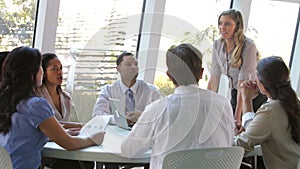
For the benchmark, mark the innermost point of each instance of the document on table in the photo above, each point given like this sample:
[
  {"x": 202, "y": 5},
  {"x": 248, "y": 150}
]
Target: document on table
[{"x": 95, "y": 125}]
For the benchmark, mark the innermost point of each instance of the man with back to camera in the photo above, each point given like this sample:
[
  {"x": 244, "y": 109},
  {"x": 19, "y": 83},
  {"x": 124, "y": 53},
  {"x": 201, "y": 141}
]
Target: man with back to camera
[
  {"x": 141, "y": 92},
  {"x": 190, "y": 118}
]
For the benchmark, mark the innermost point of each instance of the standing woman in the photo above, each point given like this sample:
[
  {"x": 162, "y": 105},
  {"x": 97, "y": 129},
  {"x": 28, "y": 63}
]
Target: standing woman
[
  {"x": 276, "y": 125},
  {"x": 27, "y": 122},
  {"x": 235, "y": 56}
]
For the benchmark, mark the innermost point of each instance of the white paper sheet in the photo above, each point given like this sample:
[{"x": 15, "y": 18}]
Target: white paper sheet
[{"x": 95, "y": 125}]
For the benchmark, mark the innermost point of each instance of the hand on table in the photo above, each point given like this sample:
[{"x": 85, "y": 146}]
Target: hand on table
[
  {"x": 98, "y": 137},
  {"x": 132, "y": 117}
]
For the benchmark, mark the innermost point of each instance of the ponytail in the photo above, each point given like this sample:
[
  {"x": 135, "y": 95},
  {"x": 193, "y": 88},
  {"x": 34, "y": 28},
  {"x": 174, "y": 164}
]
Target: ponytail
[
  {"x": 289, "y": 101},
  {"x": 279, "y": 87}
]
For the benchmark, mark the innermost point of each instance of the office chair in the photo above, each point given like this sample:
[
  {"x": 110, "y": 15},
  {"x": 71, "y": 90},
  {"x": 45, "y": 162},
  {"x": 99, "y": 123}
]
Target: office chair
[
  {"x": 5, "y": 161},
  {"x": 208, "y": 158}
]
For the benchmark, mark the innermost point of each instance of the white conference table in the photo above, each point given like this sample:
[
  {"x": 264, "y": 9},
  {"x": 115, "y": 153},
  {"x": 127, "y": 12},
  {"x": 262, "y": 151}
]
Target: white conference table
[{"x": 109, "y": 151}]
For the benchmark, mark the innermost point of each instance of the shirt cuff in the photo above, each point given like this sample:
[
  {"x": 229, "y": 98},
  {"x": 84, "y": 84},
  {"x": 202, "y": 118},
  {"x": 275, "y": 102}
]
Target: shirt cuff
[
  {"x": 112, "y": 120},
  {"x": 247, "y": 118}
]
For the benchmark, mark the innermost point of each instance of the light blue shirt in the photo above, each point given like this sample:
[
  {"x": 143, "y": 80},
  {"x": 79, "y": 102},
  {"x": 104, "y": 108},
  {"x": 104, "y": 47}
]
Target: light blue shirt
[{"x": 24, "y": 141}]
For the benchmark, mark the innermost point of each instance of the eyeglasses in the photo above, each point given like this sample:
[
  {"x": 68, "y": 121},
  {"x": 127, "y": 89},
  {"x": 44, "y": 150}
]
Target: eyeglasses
[{"x": 55, "y": 69}]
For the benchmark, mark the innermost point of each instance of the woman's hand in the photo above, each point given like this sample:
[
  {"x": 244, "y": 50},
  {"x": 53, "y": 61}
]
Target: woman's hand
[
  {"x": 67, "y": 124},
  {"x": 73, "y": 131},
  {"x": 238, "y": 131},
  {"x": 238, "y": 125},
  {"x": 249, "y": 89},
  {"x": 97, "y": 138}
]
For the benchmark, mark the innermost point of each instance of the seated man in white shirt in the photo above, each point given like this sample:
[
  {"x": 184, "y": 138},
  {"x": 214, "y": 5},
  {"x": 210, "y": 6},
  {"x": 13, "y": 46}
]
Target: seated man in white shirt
[
  {"x": 143, "y": 93},
  {"x": 191, "y": 118}
]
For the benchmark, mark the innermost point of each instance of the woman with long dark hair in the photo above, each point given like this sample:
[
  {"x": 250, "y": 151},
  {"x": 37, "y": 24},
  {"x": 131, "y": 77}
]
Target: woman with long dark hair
[
  {"x": 51, "y": 90},
  {"x": 2, "y": 57},
  {"x": 27, "y": 121},
  {"x": 62, "y": 105},
  {"x": 276, "y": 124}
]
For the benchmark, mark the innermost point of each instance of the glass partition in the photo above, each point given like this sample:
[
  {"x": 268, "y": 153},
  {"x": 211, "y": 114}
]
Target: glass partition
[
  {"x": 192, "y": 22},
  {"x": 272, "y": 26},
  {"x": 90, "y": 35}
]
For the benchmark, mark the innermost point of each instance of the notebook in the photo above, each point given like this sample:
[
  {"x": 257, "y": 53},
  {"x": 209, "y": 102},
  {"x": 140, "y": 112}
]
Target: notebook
[{"x": 119, "y": 115}]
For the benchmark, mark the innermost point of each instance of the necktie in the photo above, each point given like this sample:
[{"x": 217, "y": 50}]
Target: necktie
[{"x": 130, "y": 103}]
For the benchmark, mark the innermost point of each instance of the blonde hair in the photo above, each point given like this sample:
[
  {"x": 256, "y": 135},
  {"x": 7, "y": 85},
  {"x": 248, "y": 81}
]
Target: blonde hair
[{"x": 238, "y": 38}]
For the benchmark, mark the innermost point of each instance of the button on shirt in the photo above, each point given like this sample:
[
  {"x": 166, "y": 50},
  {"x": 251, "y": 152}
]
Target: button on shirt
[
  {"x": 188, "y": 119},
  {"x": 144, "y": 94}
]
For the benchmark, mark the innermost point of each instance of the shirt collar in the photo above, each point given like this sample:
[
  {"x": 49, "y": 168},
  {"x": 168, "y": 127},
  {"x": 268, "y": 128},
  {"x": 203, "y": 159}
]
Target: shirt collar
[
  {"x": 133, "y": 87},
  {"x": 192, "y": 88},
  {"x": 223, "y": 46}
]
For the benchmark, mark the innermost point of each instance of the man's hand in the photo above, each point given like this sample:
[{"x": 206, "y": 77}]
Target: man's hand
[{"x": 132, "y": 117}]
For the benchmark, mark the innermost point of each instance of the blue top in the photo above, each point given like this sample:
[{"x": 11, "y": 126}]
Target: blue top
[{"x": 24, "y": 141}]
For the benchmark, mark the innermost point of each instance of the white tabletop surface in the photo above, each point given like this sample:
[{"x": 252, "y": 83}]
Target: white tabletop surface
[{"x": 109, "y": 151}]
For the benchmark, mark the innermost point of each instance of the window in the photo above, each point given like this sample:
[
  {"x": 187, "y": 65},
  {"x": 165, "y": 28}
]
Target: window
[
  {"x": 272, "y": 26},
  {"x": 89, "y": 37},
  {"x": 189, "y": 21},
  {"x": 17, "y": 18}
]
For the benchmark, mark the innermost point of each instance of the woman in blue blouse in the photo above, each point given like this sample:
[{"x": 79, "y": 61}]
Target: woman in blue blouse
[{"x": 27, "y": 122}]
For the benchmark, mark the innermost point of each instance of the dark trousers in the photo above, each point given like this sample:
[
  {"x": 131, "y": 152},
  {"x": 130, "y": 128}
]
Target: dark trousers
[
  {"x": 67, "y": 164},
  {"x": 250, "y": 160},
  {"x": 121, "y": 165}
]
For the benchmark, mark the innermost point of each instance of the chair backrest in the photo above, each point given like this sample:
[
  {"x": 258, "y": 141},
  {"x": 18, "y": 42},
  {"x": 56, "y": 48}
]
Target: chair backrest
[
  {"x": 208, "y": 158},
  {"x": 5, "y": 161}
]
